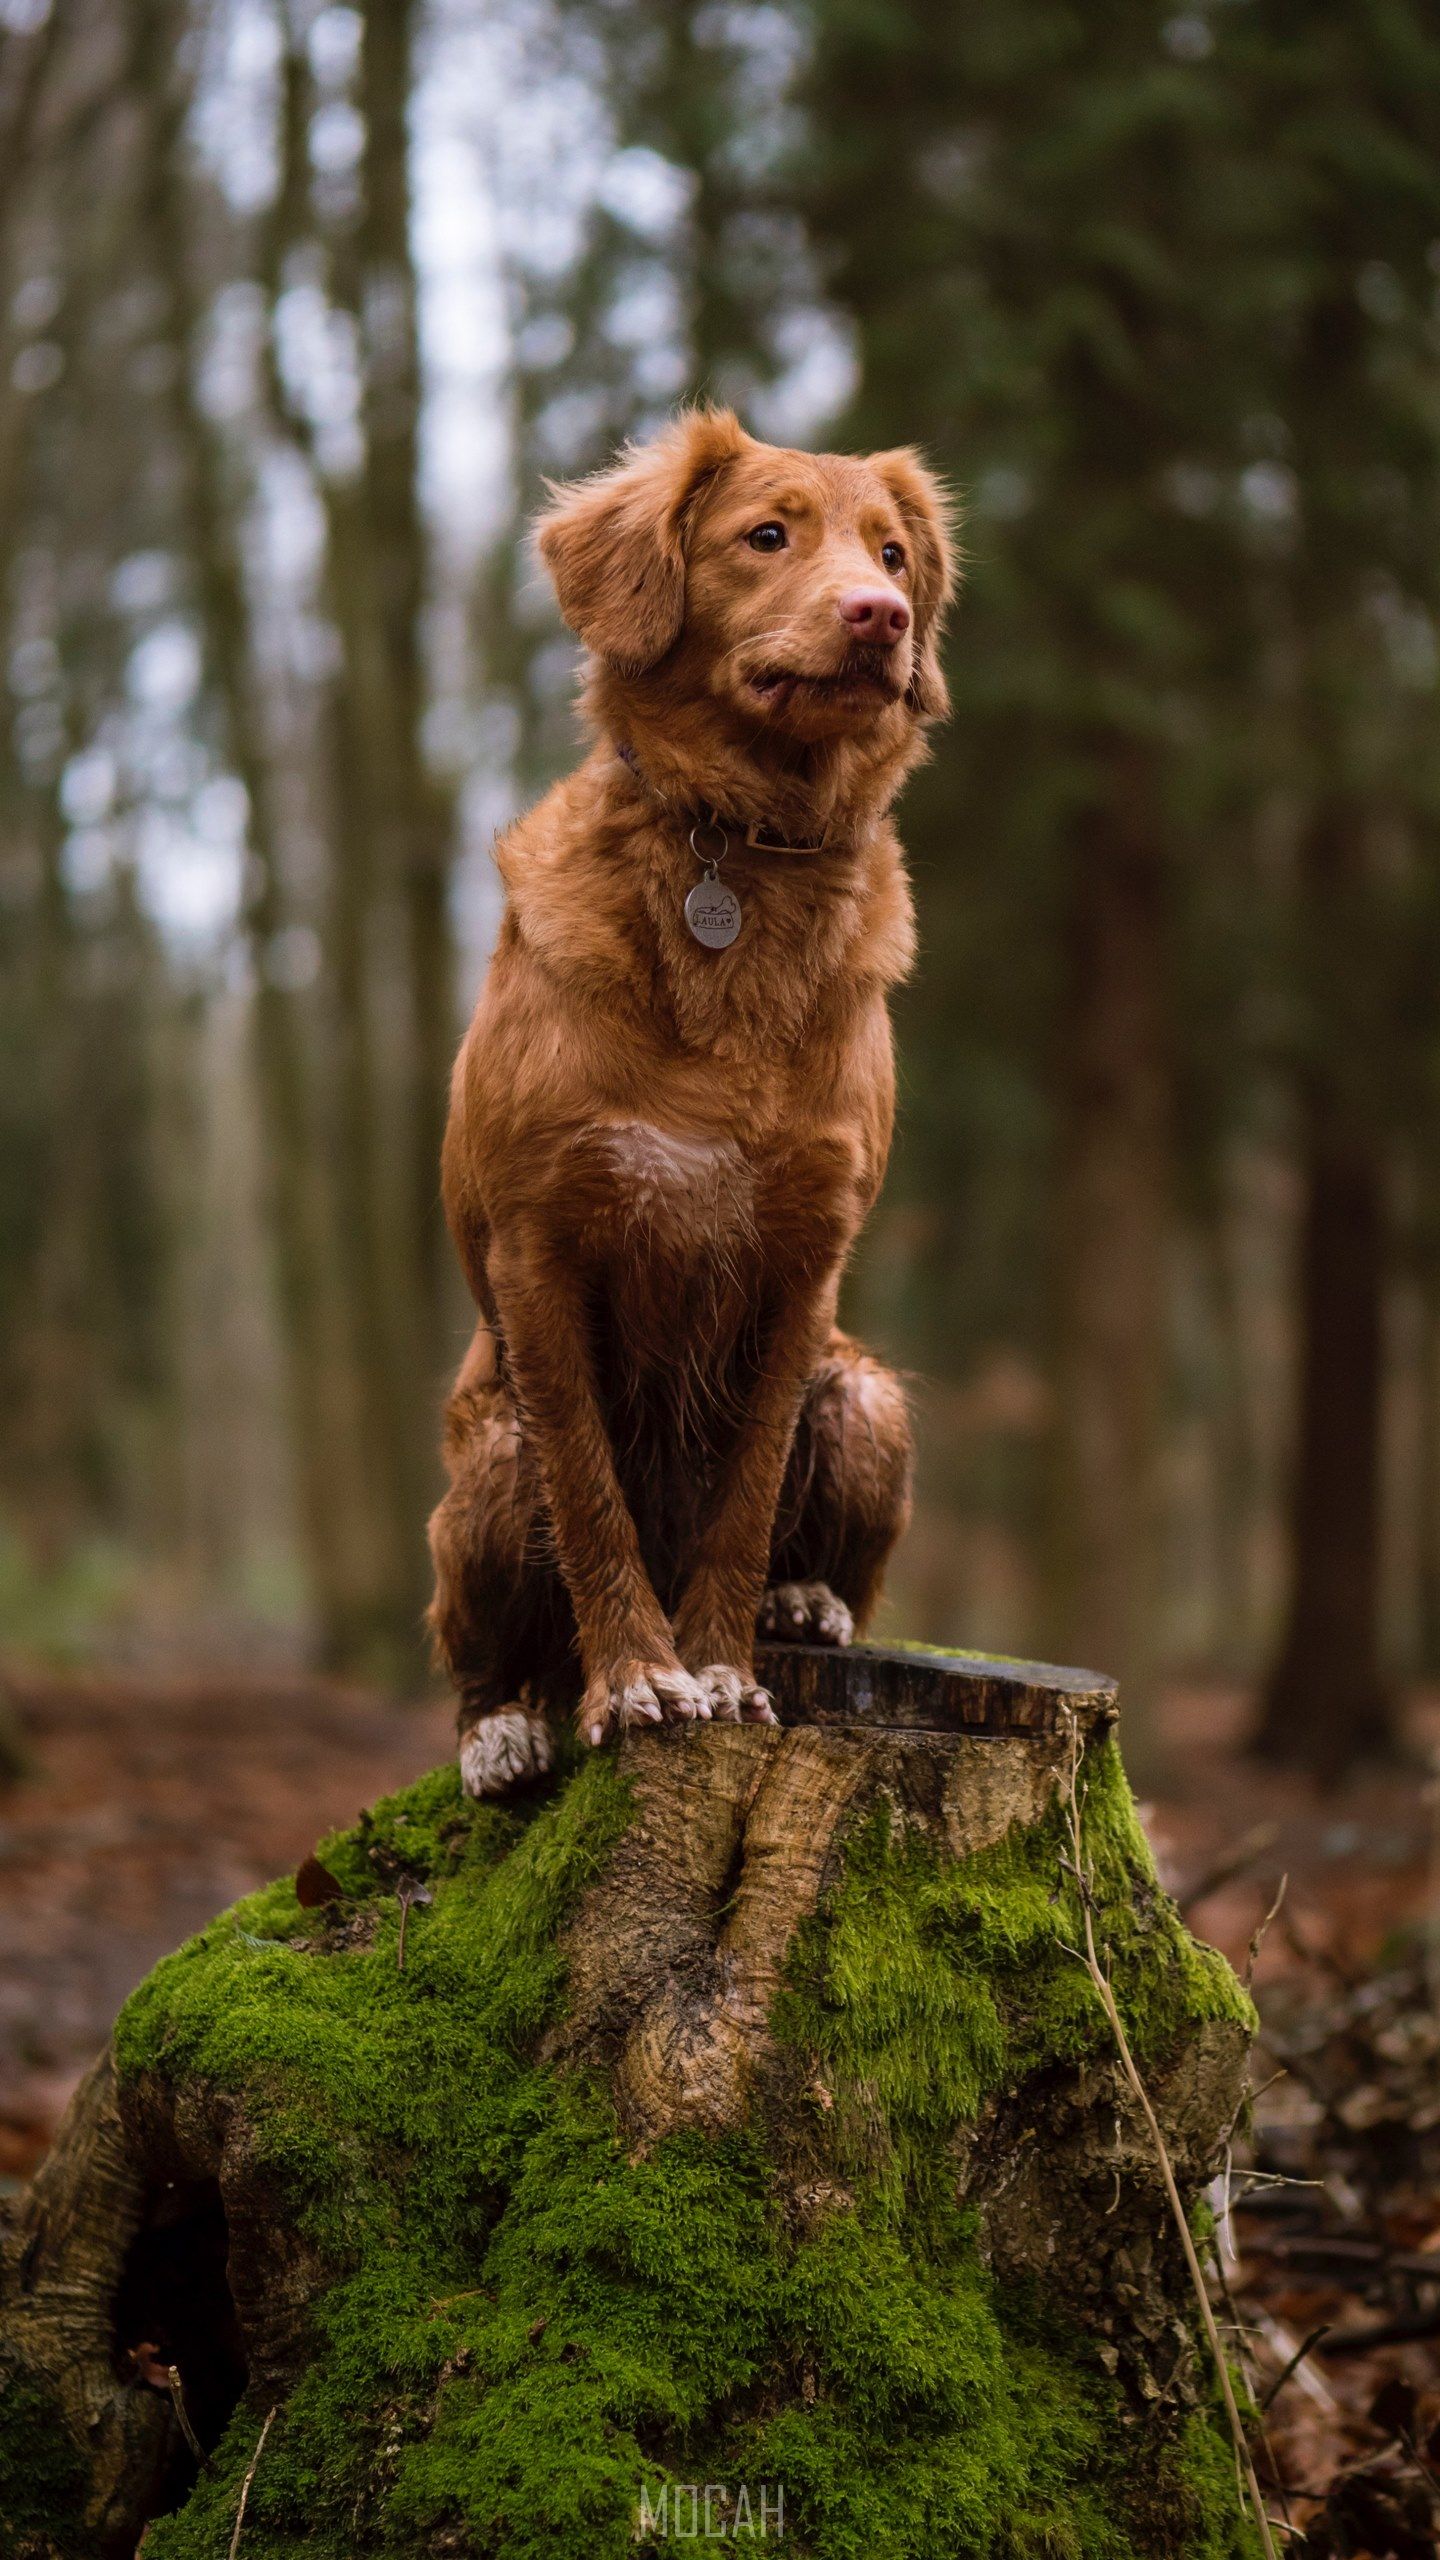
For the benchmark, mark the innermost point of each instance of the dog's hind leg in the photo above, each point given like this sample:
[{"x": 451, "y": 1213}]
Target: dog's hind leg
[
  {"x": 500, "y": 1619},
  {"x": 845, "y": 1501}
]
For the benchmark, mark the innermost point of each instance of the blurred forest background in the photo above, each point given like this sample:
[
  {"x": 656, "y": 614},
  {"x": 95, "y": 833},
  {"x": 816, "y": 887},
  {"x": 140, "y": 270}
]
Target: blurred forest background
[{"x": 298, "y": 305}]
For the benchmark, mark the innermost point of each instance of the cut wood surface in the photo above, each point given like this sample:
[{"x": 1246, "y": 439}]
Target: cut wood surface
[{"x": 919, "y": 1686}]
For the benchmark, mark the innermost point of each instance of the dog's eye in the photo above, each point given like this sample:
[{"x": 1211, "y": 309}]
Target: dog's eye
[
  {"x": 768, "y": 537},
  {"x": 893, "y": 556}
]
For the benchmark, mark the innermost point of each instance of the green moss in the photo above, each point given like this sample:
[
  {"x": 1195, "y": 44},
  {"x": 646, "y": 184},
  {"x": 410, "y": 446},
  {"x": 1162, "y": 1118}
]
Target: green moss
[
  {"x": 928, "y": 1983},
  {"x": 529, "y": 2331},
  {"x": 42, "y": 2471}
]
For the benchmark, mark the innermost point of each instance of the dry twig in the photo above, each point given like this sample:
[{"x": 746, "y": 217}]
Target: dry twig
[
  {"x": 176, "y": 2389},
  {"x": 1292, "y": 2366},
  {"x": 245, "y": 2485},
  {"x": 1244, "y": 2463},
  {"x": 1261, "y": 1931},
  {"x": 409, "y": 1892}
]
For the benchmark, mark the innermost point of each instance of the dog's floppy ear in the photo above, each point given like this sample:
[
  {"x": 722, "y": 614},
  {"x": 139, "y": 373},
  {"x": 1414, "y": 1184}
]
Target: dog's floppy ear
[
  {"x": 929, "y": 513},
  {"x": 615, "y": 544}
]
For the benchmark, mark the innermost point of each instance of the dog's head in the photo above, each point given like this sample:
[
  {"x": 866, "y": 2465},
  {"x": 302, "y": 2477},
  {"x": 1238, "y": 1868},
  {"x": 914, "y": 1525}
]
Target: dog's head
[{"x": 802, "y": 593}]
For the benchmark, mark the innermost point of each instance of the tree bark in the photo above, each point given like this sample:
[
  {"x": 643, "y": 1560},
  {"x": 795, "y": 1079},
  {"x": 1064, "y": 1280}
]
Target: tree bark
[
  {"x": 1427, "y": 1490},
  {"x": 705, "y": 2050},
  {"x": 386, "y": 1319},
  {"x": 300, "y": 1228},
  {"x": 416, "y": 815},
  {"x": 1110, "y": 1247},
  {"x": 1327, "y": 1702},
  {"x": 389, "y": 831}
]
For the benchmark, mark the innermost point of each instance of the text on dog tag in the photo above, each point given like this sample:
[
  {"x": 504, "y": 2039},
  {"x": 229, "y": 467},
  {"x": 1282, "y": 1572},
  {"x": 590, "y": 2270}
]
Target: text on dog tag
[{"x": 713, "y": 914}]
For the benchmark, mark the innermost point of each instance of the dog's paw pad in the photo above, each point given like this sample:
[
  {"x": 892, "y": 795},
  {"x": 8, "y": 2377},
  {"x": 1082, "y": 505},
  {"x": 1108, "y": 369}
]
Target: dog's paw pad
[
  {"x": 507, "y": 1749},
  {"x": 805, "y": 1613}
]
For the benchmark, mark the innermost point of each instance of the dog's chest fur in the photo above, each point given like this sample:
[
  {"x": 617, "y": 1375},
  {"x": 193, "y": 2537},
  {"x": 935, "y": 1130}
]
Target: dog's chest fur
[
  {"x": 657, "y": 1195},
  {"x": 804, "y": 928},
  {"x": 692, "y": 1227},
  {"x": 698, "y": 1132}
]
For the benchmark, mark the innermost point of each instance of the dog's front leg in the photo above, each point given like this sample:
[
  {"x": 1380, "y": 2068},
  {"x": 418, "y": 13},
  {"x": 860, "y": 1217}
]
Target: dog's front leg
[
  {"x": 632, "y": 1672},
  {"x": 715, "y": 1621}
]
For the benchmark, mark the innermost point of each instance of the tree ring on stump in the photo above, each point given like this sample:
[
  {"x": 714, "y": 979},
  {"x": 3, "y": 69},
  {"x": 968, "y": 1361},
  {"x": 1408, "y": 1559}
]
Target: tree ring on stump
[{"x": 919, "y": 1688}]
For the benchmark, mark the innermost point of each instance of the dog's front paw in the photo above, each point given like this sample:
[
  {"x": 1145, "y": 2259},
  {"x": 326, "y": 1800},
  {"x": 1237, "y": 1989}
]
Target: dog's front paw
[
  {"x": 804, "y": 1613},
  {"x": 505, "y": 1750},
  {"x": 639, "y": 1693},
  {"x": 735, "y": 1696}
]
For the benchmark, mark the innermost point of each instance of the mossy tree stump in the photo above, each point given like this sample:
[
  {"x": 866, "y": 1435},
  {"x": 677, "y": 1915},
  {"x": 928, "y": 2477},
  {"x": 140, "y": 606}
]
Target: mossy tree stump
[{"x": 723, "y": 2142}]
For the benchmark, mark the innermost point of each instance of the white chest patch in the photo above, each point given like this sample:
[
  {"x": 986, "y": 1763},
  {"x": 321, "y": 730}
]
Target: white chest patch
[{"x": 692, "y": 1191}]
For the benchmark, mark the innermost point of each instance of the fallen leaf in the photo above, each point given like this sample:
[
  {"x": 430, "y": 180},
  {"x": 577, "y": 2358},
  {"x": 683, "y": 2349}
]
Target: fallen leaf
[
  {"x": 1394, "y": 2408},
  {"x": 315, "y": 1884}
]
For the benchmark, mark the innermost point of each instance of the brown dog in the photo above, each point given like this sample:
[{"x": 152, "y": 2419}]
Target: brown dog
[{"x": 665, "y": 1131}]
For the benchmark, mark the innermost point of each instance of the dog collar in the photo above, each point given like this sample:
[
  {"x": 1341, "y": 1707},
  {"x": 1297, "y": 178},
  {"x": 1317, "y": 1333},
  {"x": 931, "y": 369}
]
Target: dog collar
[{"x": 711, "y": 824}]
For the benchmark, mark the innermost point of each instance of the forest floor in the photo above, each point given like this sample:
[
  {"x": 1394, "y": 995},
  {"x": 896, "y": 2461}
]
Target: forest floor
[{"x": 153, "y": 1803}]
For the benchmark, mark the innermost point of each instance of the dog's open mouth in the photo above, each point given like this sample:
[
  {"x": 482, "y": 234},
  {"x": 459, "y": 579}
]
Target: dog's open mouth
[{"x": 863, "y": 672}]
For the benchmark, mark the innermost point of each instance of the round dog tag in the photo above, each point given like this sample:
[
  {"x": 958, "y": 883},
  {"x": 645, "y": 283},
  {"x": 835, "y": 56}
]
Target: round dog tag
[{"x": 713, "y": 914}]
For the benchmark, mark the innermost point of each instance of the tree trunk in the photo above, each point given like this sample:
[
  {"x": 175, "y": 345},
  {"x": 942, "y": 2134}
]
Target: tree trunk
[
  {"x": 386, "y": 1328},
  {"x": 731, "y": 2122},
  {"x": 1110, "y": 1244},
  {"x": 387, "y": 925},
  {"x": 1235, "y": 1441},
  {"x": 1327, "y": 1702},
  {"x": 416, "y": 815},
  {"x": 1427, "y": 1492},
  {"x": 301, "y": 1230}
]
